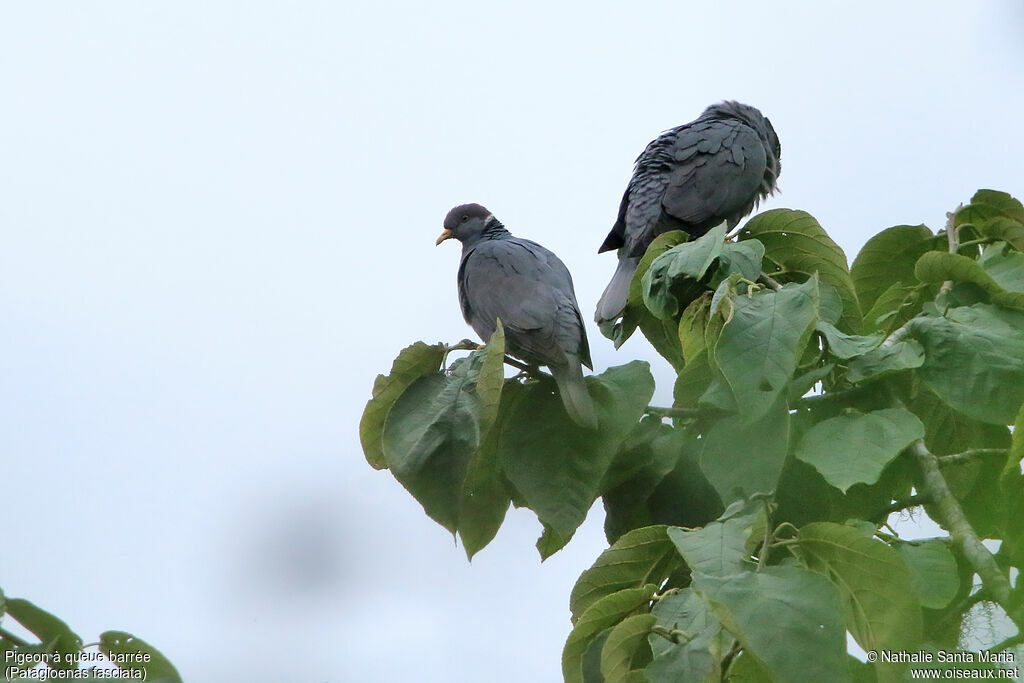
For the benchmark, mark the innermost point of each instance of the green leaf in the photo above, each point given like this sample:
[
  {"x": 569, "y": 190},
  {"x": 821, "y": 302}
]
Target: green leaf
[
  {"x": 902, "y": 355},
  {"x": 933, "y": 570},
  {"x": 896, "y": 305},
  {"x": 1012, "y": 470},
  {"x": 660, "y": 333},
  {"x": 1003, "y": 203},
  {"x": 741, "y": 458},
  {"x": 974, "y": 360},
  {"x": 638, "y": 558},
  {"x": 842, "y": 345},
  {"x": 430, "y": 436},
  {"x": 621, "y": 649},
  {"x": 697, "y": 654},
  {"x": 558, "y": 467},
  {"x": 688, "y": 260},
  {"x": 887, "y": 259},
  {"x": 745, "y": 668},
  {"x": 125, "y": 650},
  {"x": 412, "y": 363},
  {"x": 795, "y": 241},
  {"x": 879, "y": 600},
  {"x": 720, "y": 548},
  {"x": 484, "y": 498},
  {"x": 789, "y": 618},
  {"x": 939, "y": 266},
  {"x": 855, "y": 448},
  {"x": 739, "y": 258},
  {"x": 1004, "y": 265},
  {"x": 759, "y": 347},
  {"x": 55, "y": 636},
  {"x": 1006, "y": 229},
  {"x": 601, "y": 615}
]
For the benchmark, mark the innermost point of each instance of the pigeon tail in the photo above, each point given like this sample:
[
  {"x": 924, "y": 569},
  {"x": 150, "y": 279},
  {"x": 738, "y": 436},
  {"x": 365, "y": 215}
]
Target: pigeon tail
[
  {"x": 573, "y": 391},
  {"x": 613, "y": 301}
]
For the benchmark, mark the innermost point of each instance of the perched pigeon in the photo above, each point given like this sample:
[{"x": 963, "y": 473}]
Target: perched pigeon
[
  {"x": 530, "y": 290},
  {"x": 692, "y": 178}
]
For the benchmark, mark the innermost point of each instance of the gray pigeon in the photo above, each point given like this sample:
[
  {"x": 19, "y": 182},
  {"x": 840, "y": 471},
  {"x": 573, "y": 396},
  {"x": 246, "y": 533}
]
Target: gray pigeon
[
  {"x": 530, "y": 290},
  {"x": 692, "y": 177}
]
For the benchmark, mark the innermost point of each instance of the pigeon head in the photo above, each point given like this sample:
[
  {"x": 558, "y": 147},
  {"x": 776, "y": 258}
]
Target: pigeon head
[
  {"x": 468, "y": 223},
  {"x": 753, "y": 117}
]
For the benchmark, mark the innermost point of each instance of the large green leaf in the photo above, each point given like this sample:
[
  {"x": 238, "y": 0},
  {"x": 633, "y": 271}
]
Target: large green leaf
[
  {"x": 412, "y": 362},
  {"x": 695, "y": 653},
  {"x": 124, "y": 650},
  {"x": 974, "y": 360},
  {"x": 789, "y": 618},
  {"x": 601, "y": 615},
  {"x": 688, "y": 260},
  {"x": 485, "y": 499},
  {"x": 888, "y": 258},
  {"x": 933, "y": 570},
  {"x": 430, "y": 436},
  {"x": 739, "y": 258},
  {"x": 795, "y": 241},
  {"x": 720, "y": 548},
  {"x": 879, "y": 599},
  {"x": 854, "y": 448},
  {"x": 759, "y": 347},
  {"x": 626, "y": 643},
  {"x": 638, "y": 558},
  {"x": 557, "y": 467},
  {"x": 741, "y": 458}
]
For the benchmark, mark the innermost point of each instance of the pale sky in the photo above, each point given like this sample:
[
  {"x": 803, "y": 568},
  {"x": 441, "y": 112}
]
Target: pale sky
[{"x": 217, "y": 225}]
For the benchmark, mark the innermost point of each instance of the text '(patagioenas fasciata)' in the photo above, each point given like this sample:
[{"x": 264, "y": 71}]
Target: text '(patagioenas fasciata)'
[
  {"x": 692, "y": 177},
  {"x": 530, "y": 290}
]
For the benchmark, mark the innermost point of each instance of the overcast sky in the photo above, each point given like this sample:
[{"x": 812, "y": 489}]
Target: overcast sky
[{"x": 217, "y": 225}]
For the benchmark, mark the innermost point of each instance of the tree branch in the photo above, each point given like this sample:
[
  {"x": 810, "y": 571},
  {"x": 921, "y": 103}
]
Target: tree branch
[
  {"x": 769, "y": 280},
  {"x": 951, "y": 517},
  {"x": 906, "y": 504}
]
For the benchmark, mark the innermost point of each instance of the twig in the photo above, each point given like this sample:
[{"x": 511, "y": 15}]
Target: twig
[
  {"x": 906, "y": 504},
  {"x": 673, "y": 412},
  {"x": 509, "y": 360},
  {"x": 970, "y": 455},
  {"x": 833, "y": 396},
  {"x": 953, "y": 246},
  {"x": 769, "y": 280}
]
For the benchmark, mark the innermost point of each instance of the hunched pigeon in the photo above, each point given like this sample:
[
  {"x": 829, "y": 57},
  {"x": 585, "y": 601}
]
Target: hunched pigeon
[
  {"x": 530, "y": 290},
  {"x": 692, "y": 177}
]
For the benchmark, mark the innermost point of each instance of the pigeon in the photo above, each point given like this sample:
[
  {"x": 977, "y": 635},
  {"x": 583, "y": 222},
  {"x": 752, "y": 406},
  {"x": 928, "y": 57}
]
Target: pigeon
[
  {"x": 692, "y": 177},
  {"x": 530, "y": 290}
]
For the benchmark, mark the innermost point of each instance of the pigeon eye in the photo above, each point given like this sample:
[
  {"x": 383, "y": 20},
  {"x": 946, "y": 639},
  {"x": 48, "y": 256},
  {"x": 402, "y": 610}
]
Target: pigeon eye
[{"x": 465, "y": 218}]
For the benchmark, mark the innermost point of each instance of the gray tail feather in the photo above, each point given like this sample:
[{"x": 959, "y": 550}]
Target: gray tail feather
[
  {"x": 613, "y": 301},
  {"x": 573, "y": 391}
]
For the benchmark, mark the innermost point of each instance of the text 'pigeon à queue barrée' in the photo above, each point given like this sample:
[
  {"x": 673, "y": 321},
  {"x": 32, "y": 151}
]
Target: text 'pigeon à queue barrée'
[
  {"x": 530, "y": 290},
  {"x": 692, "y": 177}
]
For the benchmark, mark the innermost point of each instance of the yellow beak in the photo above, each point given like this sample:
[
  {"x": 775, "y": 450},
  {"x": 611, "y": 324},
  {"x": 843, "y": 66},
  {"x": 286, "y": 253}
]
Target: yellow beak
[{"x": 446, "y": 235}]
